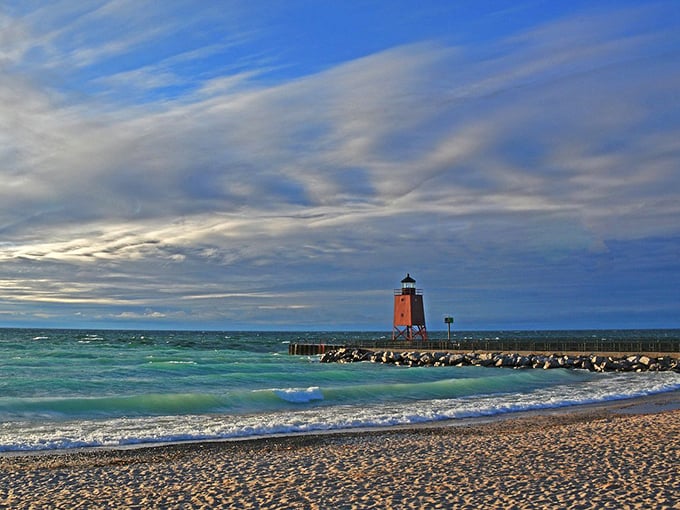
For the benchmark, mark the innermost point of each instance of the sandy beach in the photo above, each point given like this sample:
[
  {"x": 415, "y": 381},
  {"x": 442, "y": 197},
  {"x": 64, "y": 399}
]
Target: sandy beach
[{"x": 623, "y": 455}]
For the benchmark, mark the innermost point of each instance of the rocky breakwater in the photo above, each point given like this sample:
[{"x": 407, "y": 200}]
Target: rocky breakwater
[{"x": 592, "y": 362}]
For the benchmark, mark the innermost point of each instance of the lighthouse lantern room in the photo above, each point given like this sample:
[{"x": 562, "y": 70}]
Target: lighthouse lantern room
[{"x": 409, "y": 316}]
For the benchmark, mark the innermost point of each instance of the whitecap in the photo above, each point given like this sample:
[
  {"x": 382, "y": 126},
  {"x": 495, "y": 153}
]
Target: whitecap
[{"x": 299, "y": 395}]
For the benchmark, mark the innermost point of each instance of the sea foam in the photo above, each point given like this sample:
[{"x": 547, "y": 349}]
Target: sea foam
[{"x": 299, "y": 395}]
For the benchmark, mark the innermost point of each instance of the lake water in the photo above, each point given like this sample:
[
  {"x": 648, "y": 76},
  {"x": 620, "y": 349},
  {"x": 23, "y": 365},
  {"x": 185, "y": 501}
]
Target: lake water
[{"x": 73, "y": 388}]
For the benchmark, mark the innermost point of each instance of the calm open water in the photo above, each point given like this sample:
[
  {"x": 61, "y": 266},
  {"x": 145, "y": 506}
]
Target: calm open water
[{"x": 73, "y": 388}]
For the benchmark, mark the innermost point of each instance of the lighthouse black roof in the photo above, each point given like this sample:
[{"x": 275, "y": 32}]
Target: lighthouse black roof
[{"x": 408, "y": 279}]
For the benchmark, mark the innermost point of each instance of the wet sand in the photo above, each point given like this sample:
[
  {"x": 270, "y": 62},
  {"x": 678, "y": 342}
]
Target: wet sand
[{"x": 622, "y": 455}]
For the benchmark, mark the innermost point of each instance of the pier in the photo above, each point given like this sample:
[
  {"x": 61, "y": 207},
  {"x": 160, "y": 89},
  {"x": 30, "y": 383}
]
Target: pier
[
  {"x": 654, "y": 347},
  {"x": 311, "y": 349}
]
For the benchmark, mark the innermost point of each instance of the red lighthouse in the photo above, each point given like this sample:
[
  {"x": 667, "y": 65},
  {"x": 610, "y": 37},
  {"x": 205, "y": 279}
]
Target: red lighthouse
[{"x": 409, "y": 316}]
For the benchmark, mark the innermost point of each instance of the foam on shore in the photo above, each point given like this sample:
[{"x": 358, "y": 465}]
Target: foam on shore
[{"x": 585, "y": 457}]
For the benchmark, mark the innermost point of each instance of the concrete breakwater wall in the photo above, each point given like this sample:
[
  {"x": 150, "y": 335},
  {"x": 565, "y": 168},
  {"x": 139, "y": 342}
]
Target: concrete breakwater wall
[{"x": 592, "y": 362}]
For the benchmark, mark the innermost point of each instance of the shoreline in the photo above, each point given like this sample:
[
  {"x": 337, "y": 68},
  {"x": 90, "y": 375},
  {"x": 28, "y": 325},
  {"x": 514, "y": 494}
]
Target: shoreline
[
  {"x": 619, "y": 454},
  {"x": 646, "y": 404}
]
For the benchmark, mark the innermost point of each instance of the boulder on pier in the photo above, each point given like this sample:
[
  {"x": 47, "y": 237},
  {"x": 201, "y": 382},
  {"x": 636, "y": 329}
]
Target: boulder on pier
[{"x": 637, "y": 363}]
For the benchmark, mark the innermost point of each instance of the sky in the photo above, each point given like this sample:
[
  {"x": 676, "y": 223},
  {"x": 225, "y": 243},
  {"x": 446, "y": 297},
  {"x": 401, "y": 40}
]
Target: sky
[{"x": 281, "y": 165}]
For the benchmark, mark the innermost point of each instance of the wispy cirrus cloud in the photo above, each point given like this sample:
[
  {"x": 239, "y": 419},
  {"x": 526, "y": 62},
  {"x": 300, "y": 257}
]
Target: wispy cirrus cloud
[{"x": 540, "y": 146}]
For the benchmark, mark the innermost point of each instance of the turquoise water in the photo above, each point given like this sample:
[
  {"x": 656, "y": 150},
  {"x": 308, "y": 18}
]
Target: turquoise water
[{"x": 70, "y": 388}]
